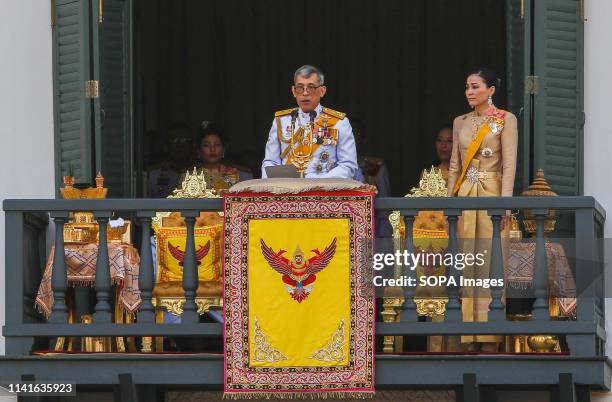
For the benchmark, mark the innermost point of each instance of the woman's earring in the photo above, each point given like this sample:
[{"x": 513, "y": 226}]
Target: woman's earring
[{"x": 490, "y": 101}]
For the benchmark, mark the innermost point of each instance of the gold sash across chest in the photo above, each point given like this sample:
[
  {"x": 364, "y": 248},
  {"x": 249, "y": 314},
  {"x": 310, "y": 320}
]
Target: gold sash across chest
[
  {"x": 484, "y": 130},
  {"x": 298, "y": 135}
]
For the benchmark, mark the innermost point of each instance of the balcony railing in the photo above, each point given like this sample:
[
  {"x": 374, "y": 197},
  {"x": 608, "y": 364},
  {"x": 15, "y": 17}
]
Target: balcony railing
[{"x": 27, "y": 222}]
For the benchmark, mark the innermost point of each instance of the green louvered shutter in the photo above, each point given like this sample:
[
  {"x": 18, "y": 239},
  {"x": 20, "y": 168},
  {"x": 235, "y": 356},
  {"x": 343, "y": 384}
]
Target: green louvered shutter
[
  {"x": 112, "y": 111},
  {"x": 518, "y": 49},
  {"x": 72, "y": 110},
  {"x": 559, "y": 111}
]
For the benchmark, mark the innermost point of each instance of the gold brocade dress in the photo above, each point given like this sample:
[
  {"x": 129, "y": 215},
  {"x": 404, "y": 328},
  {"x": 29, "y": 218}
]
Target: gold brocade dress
[
  {"x": 219, "y": 179},
  {"x": 495, "y": 162},
  {"x": 222, "y": 178}
]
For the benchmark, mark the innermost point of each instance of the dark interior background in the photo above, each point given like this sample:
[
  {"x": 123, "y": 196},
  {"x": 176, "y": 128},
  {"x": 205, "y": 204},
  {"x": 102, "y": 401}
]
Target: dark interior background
[{"x": 396, "y": 67}]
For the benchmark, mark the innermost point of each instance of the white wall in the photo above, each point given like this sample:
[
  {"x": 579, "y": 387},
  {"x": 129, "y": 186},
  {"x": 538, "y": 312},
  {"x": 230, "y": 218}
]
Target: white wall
[
  {"x": 26, "y": 109},
  {"x": 598, "y": 130},
  {"x": 598, "y": 89}
]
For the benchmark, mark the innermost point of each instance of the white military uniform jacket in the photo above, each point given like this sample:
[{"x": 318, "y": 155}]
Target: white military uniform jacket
[{"x": 334, "y": 157}]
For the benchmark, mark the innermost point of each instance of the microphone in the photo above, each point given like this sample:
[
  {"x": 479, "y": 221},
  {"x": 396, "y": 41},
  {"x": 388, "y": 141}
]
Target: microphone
[
  {"x": 315, "y": 138},
  {"x": 294, "y": 116},
  {"x": 313, "y": 114}
]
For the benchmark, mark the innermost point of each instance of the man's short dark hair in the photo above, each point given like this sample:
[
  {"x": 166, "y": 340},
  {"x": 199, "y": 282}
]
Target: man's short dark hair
[{"x": 307, "y": 70}]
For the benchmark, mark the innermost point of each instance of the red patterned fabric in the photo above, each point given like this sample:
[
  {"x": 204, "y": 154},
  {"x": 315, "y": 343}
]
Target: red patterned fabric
[
  {"x": 562, "y": 286},
  {"x": 81, "y": 259}
]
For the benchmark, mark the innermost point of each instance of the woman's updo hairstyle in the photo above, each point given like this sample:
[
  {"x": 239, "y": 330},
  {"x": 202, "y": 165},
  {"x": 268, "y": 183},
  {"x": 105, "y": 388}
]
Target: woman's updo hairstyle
[
  {"x": 207, "y": 128},
  {"x": 488, "y": 76}
]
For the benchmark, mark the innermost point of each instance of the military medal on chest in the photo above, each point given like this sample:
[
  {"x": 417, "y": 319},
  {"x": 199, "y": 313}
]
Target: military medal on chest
[
  {"x": 322, "y": 132},
  {"x": 288, "y": 133}
]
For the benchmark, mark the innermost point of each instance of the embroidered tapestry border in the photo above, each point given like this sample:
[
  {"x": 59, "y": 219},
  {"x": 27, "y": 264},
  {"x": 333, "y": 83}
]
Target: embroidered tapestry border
[{"x": 355, "y": 379}]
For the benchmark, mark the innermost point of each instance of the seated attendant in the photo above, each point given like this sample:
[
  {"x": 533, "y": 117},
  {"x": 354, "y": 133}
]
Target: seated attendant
[
  {"x": 174, "y": 154},
  {"x": 211, "y": 151},
  {"x": 371, "y": 169},
  {"x": 444, "y": 148}
]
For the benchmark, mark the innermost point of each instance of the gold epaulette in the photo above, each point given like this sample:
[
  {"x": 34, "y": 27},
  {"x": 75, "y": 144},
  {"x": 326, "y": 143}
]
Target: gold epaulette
[
  {"x": 331, "y": 112},
  {"x": 284, "y": 112}
]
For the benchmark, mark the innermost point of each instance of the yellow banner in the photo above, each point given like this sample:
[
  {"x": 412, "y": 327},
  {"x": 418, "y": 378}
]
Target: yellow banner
[{"x": 299, "y": 292}]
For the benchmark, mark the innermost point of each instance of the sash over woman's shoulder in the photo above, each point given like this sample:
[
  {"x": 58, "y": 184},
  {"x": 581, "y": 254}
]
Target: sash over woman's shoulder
[{"x": 494, "y": 123}]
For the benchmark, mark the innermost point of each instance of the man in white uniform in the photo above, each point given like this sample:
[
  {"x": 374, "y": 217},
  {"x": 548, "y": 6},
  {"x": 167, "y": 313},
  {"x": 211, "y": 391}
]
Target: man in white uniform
[{"x": 320, "y": 137}]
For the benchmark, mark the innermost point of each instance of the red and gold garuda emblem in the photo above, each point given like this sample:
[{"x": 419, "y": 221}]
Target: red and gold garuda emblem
[
  {"x": 177, "y": 253},
  {"x": 299, "y": 273}
]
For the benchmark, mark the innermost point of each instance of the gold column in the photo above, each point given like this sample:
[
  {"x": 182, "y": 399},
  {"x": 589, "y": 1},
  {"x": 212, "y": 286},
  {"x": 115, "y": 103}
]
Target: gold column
[
  {"x": 391, "y": 313},
  {"x": 393, "y": 298}
]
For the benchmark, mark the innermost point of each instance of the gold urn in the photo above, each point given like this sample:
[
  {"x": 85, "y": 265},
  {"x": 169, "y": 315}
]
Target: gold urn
[
  {"x": 542, "y": 343},
  {"x": 539, "y": 188},
  {"x": 115, "y": 233}
]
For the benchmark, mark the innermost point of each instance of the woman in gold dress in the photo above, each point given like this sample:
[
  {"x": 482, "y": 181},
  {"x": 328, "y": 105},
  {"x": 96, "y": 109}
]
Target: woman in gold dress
[
  {"x": 211, "y": 151},
  {"x": 483, "y": 164},
  {"x": 218, "y": 176}
]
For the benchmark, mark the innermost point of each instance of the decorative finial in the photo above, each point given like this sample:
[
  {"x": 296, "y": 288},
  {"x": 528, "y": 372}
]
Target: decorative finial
[
  {"x": 99, "y": 180},
  {"x": 70, "y": 192},
  {"x": 432, "y": 184},
  {"x": 68, "y": 181},
  {"x": 298, "y": 251},
  {"x": 539, "y": 187},
  {"x": 193, "y": 186}
]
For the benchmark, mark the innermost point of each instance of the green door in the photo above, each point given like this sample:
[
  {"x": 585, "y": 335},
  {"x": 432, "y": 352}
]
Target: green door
[
  {"x": 112, "y": 109},
  {"x": 559, "y": 100},
  {"x": 545, "y": 91},
  {"x": 518, "y": 68},
  {"x": 92, "y": 88},
  {"x": 72, "y": 109}
]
